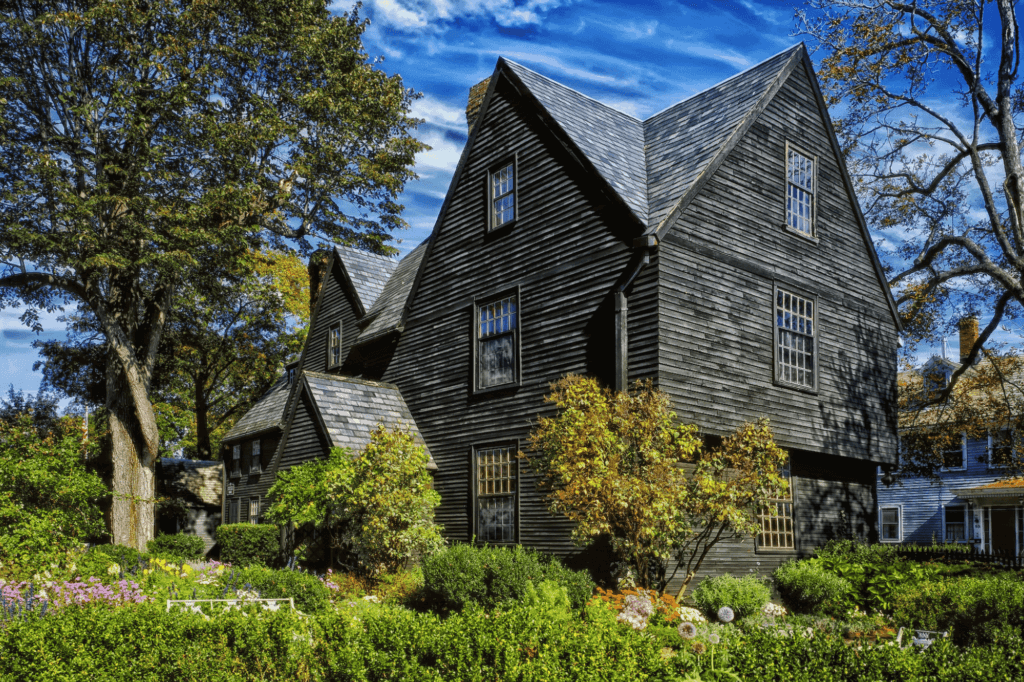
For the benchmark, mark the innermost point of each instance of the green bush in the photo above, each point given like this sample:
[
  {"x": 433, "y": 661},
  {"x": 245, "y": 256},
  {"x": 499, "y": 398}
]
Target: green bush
[
  {"x": 746, "y": 596},
  {"x": 807, "y": 587},
  {"x": 98, "y": 559},
  {"x": 178, "y": 547},
  {"x": 464, "y": 575},
  {"x": 249, "y": 544},
  {"x": 309, "y": 592},
  {"x": 975, "y": 609}
]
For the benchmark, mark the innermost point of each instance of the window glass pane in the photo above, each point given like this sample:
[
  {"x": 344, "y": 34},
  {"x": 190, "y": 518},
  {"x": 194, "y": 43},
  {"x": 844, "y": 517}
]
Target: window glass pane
[
  {"x": 799, "y": 195},
  {"x": 776, "y": 521},
  {"x": 503, "y": 196},
  {"x": 1002, "y": 448},
  {"x": 794, "y": 317},
  {"x": 496, "y": 494},
  {"x": 956, "y": 524},
  {"x": 497, "y": 519},
  {"x": 953, "y": 457},
  {"x": 497, "y": 347}
]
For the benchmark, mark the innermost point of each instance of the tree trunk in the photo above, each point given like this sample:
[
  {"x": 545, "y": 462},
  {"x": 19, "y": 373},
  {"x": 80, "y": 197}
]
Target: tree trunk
[
  {"x": 203, "y": 448},
  {"x": 132, "y": 513}
]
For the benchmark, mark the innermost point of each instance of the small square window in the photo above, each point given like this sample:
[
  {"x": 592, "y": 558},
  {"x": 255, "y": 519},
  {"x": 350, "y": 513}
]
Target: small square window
[
  {"x": 800, "y": 188},
  {"x": 497, "y": 342},
  {"x": 497, "y": 494},
  {"x": 796, "y": 328},
  {"x": 955, "y": 522},
  {"x": 254, "y": 510},
  {"x": 334, "y": 345},
  {"x": 236, "y": 460},
  {"x": 502, "y": 195},
  {"x": 890, "y": 524},
  {"x": 255, "y": 464}
]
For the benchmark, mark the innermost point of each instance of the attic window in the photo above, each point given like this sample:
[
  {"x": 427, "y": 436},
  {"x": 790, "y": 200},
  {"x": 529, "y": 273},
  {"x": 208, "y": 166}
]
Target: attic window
[
  {"x": 334, "y": 345},
  {"x": 502, "y": 194},
  {"x": 800, "y": 188}
]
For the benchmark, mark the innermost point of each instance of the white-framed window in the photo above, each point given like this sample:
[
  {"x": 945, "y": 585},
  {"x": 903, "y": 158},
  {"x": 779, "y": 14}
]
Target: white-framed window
[
  {"x": 334, "y": 345},
  {"x": 496, "y": 347},
  {"x": 801, "y": 187},
  {"x": 776, "y": 521},
  {"x": 1000, "y": 448},
  {"x": 255, "y": 462},
  {"x": 796, "y": 331},
  {"x": 501, "y": 193},
  {"x": 954, "y": 458},
  {"x": 496, "y": 493},
  {"x": 954, "y": 523},
  {"x": 236, "y": 459},
  {"x": 254, "y": 510},
  {"x": 890, "y": 524}
]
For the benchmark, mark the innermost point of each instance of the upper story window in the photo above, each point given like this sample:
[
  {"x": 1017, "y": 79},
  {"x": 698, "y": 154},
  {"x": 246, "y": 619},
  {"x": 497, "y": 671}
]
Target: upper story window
[
  {"x": 800, "y": 189},
  {"x": 497, "y": 494},
  {"x": 255, "y": 465},
  {"x": 795, "y": 335},
  {"x": 953, "y": 457},
  {"x": 497, "y": 342},
  {"x": 334, "y": 345},
  {"x": 502, "y": 194},
  {"x": 890, "y": 524},
  {"x": 236, "y": 460},
  {"x": 1000, "y": 448}
]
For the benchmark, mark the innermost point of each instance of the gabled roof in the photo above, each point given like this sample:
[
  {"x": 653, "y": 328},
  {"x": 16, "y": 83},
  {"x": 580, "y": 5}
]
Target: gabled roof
[
  {"x": 368, "y": 272},
  {"x": 268, "y": 413},
  {"x": 349, "y": 409},
  {"x": 387, "y": 312}
]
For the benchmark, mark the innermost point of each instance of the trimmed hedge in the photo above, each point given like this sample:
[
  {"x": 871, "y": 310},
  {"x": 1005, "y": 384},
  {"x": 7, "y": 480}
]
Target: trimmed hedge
[
  {"x": 466, "y": 575},
  {"x": 249, "y": 544},
  {"x": 309, "y": 592},
  {"x": 178, "y": 547},
  {"x": 977, "y": 610}
]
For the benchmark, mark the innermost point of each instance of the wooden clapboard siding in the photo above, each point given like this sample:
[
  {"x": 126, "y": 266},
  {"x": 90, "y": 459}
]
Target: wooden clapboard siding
[
  {"x": 335, "y": 304},
  {"x": 718, "y": 264},
  {"x": 566, "y": 251},
  {"x": 252, "y": 485},
  {"x": 305, "y": 440}
]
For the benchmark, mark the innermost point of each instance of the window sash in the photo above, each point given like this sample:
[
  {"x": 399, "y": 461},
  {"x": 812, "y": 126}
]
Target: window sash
[
  {"x": 955, "y": 518},
  {"x": 503, "y": 198},
  {"x": 776, "y": 521},
  {"x": 795, "y": 328},
  {"x": 334, "y": 345},
  {"x": 800, "y": 193},
  {"x": 236, "y": 460},
  {"x": 497, "y": 322},
  {"x": 1000, "y": 448},
  {"x": 255, "y": 465},
  {"x": 953, "y": 458},
  {"x": 497, "y": 478},
  {"x": 254, "y": 510},
  {"x": 889, "y": 526},
  {"x": 233, "y": 510}
]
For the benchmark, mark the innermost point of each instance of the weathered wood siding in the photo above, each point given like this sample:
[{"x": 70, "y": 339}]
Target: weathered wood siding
[
  {"x": 305, "y": 442},
  {"x": 567, "y": 250},
  {"x": 718, "y": 266},
  {"x": 250, "y": 485},
  {"x": 335, "y": 304}
]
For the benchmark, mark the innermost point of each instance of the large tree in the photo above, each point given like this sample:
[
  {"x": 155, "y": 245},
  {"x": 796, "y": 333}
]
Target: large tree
[
  {"x": 145, "y": 145},
  {"x": 929, "y": 110}
]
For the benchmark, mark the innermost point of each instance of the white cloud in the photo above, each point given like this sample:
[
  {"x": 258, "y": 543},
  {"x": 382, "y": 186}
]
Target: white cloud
[
  {"x": 635, "y": 31},
  {"x": 436, "y": 112},
  {"x": 713, "y": 52},
  {"x": 419, "y": 15},
  {"x": 443, "y": 154}
]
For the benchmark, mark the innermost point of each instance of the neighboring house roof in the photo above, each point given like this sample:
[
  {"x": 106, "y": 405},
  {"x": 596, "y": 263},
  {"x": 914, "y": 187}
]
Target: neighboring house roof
[
  {"x": 195, "y": 480},
  {"x": 386, "y": 314},
  {"x": 1006, "y": 488},
  {"x": 350, "y": 409},
  {"x": 268, "y": 413},
  {"x": 368, "y": 272}
]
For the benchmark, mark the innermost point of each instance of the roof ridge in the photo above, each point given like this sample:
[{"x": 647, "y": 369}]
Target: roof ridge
[
  {"x": 363, "y": 252},
  {"x": 723, "y": 82},
  {"x": 581, "y": 94},
  {"x": 349, "y": 380}
]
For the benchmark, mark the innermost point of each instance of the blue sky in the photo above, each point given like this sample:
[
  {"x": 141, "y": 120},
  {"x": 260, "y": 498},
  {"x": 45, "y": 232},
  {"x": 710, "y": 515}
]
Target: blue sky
[{"x": 639, "y": 57}]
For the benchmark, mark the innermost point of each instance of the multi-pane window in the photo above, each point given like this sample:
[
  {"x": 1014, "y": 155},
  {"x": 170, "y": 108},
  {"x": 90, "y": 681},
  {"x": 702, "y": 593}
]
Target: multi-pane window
[
  {"x": 953, "y": 456},
  {"x": 776, "y": 521},
  {"x": 236, "y": 460},
  {"x": 795, "y": 329},
  {"x": 956, "y": 523},
  {"x": 503, "y": 195},
  {"x": 254, "y": 510},
  {"x": 497, "y": 474},
  {"x": 800, "y": 193},
  {"x": 889, "y": 524},
  {"x": 255, "y": 465},
  {"x": 497, "y": 347},
  {"x": 334, "y": 345},
  {"x": 1000, "y": 448},
  {"x": 233, "y": 507}
]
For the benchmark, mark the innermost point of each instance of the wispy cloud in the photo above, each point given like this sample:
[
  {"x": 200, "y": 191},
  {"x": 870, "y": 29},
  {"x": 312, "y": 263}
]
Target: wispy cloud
[
  {"x": 434, "y": 111},
  {"x": 433, "y": 15}
]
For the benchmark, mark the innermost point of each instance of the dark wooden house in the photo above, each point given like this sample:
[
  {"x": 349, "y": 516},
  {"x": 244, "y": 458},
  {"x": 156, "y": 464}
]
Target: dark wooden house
[
  {"x": 716, "y": 248},
  {"x": 189, "y": 495}
]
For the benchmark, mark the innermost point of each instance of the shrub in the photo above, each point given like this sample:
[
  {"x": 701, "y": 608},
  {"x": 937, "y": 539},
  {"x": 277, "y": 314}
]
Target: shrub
[
  {"x": 975, "y": 609},
  {"x": 249, "y": 544},
  {"x": 808, "y": 588},
  {"x": 178, "y": 547},
  {"x": 309, "y": 592},
  {"x": 465, "y": 575},
  {"x": 97, "y": 561},
  {"x": 745, "y": 596}
]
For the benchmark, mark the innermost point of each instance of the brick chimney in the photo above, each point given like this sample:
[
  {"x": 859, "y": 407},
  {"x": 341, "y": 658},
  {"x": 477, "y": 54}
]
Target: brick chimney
[
  {"x": 968, "y": 335},
  {"x": 476, "y": 98}
]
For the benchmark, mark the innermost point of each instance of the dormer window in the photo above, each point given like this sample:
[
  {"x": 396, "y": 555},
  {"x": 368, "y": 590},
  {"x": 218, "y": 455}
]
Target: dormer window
[
  {"x": 936, "y": 380},
  {"x": 800, "y": 190},
  {"x": 502, "y": 194}
]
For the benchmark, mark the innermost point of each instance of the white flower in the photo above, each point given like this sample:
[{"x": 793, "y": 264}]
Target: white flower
[
  {"x": 725, "y": 614},
  {"x": 372, "y": 598},
  {"x": 692, "y": 615}
]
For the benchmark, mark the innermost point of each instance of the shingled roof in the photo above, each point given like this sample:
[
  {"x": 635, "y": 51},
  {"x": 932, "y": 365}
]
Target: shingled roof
[
  {"x": 386, "y": 314},
  {"x": 351, "y": 408},
  {"x": 368, "y": 272},
  {"x": 653, "y": 164},
  {"x": 266, "y": 414}
]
